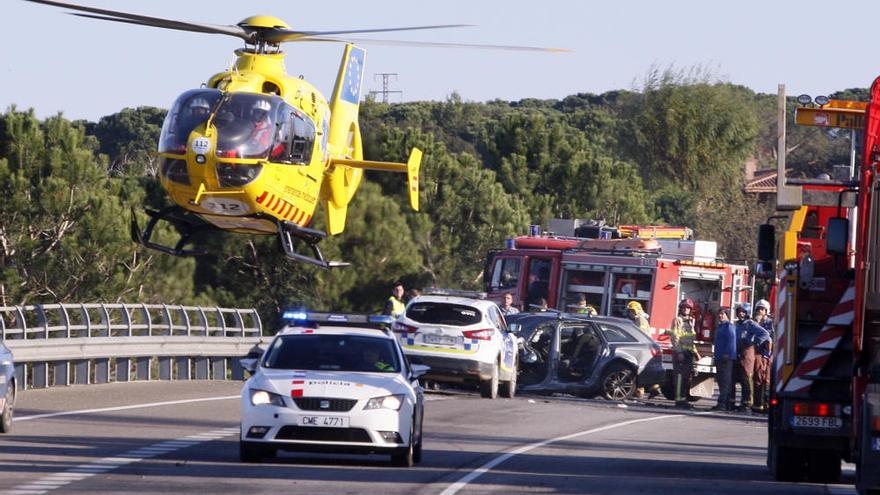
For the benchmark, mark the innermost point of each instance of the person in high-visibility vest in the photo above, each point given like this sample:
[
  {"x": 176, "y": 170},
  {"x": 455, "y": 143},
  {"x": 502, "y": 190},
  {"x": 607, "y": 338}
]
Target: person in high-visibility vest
[
  {"x": 394, "y": 306},
  {"x": 684, "y": 352}
]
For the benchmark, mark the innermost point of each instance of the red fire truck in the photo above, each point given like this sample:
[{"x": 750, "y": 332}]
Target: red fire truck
[
  {"x": 658, "y": 272},
  {"x": 825, "y": 393}
]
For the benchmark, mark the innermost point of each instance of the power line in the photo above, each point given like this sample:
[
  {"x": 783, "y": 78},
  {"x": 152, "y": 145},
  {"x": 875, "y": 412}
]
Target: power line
[{"x": 386, "y": 79}]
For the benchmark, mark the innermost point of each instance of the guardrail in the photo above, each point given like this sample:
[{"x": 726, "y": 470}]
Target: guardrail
[{"x": 64, "y": 344}]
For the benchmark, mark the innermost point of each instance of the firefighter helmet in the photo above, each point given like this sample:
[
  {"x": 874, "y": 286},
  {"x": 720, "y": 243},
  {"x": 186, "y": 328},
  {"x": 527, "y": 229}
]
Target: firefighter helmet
[
  {"x": 763, "y": 304},
  {"x": 744, "y": 307}
]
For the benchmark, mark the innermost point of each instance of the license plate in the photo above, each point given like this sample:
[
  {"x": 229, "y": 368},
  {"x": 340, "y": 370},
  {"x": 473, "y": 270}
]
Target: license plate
[
  {"x": 816, "y": 422},
  {"x": 431, "y": 338},
  {"x": 324, "y": 421}
]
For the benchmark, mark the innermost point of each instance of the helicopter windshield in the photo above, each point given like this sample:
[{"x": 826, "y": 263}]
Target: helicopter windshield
[
  {"x": 246, "y": 125},
  {"x": 189, "y": 111}
]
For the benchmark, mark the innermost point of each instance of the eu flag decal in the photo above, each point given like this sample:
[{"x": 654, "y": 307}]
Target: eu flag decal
[{"x": 354, "y": 74}]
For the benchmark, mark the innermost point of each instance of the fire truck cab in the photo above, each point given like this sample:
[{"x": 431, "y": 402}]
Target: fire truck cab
[{"x": 656, "y": 266}]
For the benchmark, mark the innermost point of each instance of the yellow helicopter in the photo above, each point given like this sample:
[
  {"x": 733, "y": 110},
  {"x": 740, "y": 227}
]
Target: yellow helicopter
[{"x": 255, "y": 150}]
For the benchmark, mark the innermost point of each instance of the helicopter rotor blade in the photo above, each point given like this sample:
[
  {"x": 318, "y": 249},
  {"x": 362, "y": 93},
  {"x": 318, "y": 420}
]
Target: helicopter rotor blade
[
  {"x": 431, "y": 44},
  {"x": 112, "y": 15},
  {"x": 287, "y": 35}
]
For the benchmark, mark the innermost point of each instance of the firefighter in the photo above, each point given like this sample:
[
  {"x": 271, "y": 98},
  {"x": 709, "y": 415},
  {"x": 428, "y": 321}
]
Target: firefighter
[
  {"x": 763, "y": 351},
  {"x": 582, "y": 308},
  {"x": 684, "y": 352},
  {"x": 394, "y": 306},
  {"x": 725, "y": 357},
  {"x": 636, "y": 314},
  {"x": 748, "y": 334}
]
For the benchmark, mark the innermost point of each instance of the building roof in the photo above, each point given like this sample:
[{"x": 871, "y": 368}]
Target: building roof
[{"x": 764, "y": 181}]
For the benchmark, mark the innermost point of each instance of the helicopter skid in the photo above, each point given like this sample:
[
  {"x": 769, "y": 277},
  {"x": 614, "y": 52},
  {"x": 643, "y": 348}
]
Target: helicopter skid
[
  {"x": 287, "y": 231},
  {"x": 177, "y": 216}
]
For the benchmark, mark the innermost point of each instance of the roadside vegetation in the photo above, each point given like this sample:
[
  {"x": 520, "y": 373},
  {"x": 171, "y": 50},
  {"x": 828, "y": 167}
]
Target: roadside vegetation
[{"x": 672, "y": 151}]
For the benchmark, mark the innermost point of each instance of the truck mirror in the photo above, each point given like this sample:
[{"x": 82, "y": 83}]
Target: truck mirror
[
  {"x": 837, "y": 235},
  {"x": 766, "y": 242}
]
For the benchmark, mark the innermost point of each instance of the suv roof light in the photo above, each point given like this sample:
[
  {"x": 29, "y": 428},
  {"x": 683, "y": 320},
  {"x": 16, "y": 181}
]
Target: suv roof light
[{"x": 436, "y": 291}]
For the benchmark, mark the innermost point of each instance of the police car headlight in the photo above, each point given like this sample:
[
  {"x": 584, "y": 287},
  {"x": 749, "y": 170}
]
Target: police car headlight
[
  {"x": 392, "y": 402},
  {"x": 262, "y": 397}
]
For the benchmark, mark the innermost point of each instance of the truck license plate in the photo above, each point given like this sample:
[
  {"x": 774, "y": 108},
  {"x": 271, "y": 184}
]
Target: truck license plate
[
  {"x": 324, "y": 421},
  {"x": 816, "y": 422}
]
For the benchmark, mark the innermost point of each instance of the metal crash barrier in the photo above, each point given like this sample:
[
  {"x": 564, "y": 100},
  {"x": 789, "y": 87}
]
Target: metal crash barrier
[{"x": 64, "y": 344}]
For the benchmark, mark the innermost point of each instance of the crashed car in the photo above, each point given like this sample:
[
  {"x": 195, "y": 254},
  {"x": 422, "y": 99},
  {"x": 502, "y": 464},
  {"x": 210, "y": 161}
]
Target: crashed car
[{"x": 584, "y": 355}]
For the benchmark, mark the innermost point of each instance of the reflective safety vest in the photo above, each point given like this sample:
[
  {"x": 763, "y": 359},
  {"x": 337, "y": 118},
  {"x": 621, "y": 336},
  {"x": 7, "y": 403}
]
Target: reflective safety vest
[
  {"x": 683, "y": 334},
  {"x": 397, "y": 306}
]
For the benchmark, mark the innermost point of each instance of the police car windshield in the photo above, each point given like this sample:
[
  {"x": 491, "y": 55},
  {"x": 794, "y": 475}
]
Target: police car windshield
[
  {"x": 332, "y": 353},
  {"x": 443, "y": 314}
]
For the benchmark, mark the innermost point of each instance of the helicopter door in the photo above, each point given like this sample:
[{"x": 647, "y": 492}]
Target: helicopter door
[{"x": 295, "y": 139}]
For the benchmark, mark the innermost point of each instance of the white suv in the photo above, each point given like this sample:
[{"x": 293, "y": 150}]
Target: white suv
[
  {"x": 327, "y": 386},
  {"x": 463, "y": 338}
]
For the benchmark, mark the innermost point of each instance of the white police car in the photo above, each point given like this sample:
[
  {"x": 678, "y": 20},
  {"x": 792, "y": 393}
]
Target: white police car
[
  {"x": 7, "y": 389},
  {"x": 463, "y": 338},
  {"x": 325, "y": 386}
]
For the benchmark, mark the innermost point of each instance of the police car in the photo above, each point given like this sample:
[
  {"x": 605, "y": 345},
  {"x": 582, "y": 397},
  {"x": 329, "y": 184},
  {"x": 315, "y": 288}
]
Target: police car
[
  {"x": 331, "y": 383},
  {"x": 7, "y": 389},
  {"x": 463, "y": 338}
]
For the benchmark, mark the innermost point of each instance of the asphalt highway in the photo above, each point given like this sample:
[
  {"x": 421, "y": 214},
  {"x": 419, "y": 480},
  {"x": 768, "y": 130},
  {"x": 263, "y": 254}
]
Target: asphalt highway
[{"x": 182, "y": 437}]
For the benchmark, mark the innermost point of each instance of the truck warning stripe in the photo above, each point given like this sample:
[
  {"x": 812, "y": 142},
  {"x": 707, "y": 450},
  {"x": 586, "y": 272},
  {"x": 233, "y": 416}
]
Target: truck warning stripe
[
  {"x": 779, "y": 348},
  {"x": 827, "y": 340}
]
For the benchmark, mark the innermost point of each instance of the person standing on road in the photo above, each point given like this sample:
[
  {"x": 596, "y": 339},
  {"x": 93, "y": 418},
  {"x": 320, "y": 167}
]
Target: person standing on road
[
  {"x": 725, "y": 356},
  {"x": 748, "y": 333},
  {"x": 507, "y": 307},
  {"x": 635, "y": 314},
  {"x": 684, "y": 352},
  {"x": 764, "y": 351},
  {"x": 394, "y": 305}
]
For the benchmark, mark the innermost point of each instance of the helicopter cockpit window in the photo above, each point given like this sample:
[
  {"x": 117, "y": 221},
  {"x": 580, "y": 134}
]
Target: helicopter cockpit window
[
  {"x": 189, "y": 111},
  {"x": 303, "y": 138},
  {"x": 247, "y": 124}
]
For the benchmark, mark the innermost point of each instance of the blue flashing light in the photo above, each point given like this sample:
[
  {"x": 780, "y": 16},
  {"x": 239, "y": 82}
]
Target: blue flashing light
[
  {"x": 386, "y": 319},
  {"x": 295, "y": 315}
]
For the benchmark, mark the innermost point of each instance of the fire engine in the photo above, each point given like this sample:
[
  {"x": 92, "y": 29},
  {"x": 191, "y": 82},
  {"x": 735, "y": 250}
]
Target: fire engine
[
  {"x": 655, "y": 266},
  {"x": 825, "y": 390}
]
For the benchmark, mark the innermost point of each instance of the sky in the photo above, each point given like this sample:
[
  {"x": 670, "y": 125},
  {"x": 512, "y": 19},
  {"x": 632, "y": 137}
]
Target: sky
[{"x": 54, "y": 62}]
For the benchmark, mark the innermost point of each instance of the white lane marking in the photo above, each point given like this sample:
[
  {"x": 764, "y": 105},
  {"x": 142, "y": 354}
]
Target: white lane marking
[
  {"x": 107, "y": 464},
  {"x": 476, "y": 473},
  {"x": 124, "y": 408}
]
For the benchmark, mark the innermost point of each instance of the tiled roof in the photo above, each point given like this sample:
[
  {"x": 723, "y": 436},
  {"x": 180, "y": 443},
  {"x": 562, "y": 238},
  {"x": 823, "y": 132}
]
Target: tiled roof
[{"x": 764, "y": 181}]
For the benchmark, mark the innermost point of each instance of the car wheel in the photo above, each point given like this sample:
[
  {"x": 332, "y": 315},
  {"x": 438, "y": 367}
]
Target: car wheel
[
  {"x": 253, "y": 452},
  {"x": 417, "y": 451},
  {"x": 489, "y": 388},
  {"x": 405, "y": 457},
  {"x": 508, "y": 388},
  {"x": 6, "y": 414},
  {"x": 618, "y": 382}
]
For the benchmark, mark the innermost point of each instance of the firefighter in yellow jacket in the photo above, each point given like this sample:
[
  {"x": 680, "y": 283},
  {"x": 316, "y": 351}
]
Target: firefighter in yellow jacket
[{"x": 684, "y": 352}]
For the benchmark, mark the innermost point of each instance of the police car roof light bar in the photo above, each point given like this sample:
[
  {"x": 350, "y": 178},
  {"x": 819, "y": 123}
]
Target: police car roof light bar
[{"x": 472, "y": 294}]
